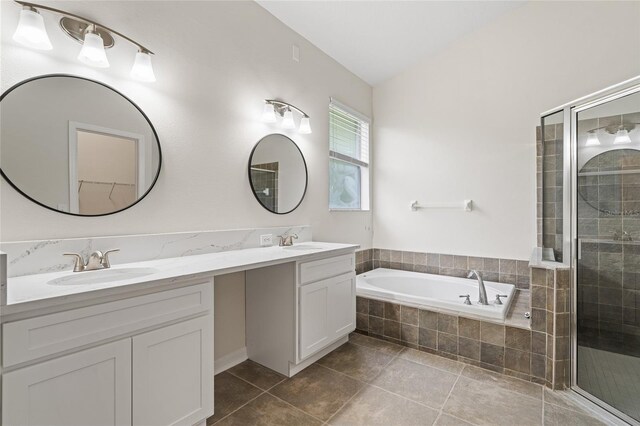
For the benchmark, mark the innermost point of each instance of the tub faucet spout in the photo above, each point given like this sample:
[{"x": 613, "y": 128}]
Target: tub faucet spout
[{"x": 481, "y": 290}]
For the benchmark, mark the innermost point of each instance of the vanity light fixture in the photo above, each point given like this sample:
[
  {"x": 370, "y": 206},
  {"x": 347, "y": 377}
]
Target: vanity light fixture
[
  {"x": 305, "y": 126},
  {"x": 142, "y": 69},
  {"x": 272, "y": 108},
  {"x": 592, "y": 135},
  {"x": 95, "y": 38},
  {"x": 31, "y": 31},
  {"x": 287, "y": 120},
  {"x": 592, "y": 138},
  {"x": 268, "y": 113},
  {"x": 622, "y": 136},
  {"x": 92, "y": 52}
]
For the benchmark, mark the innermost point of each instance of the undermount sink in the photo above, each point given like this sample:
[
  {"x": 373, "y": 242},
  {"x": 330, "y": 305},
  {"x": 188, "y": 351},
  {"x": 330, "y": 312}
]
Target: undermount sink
[
  {"x": 102, "y": 276},
  {"x": 301, "y": 247}
]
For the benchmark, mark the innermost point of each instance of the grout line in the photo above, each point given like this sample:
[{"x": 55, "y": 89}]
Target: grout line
[
  {"x": 434, "y": 367},
  {"x": 296, "y": 408},
  {"x": 246, "y": 381},
  {"x": 441, "y": 411},
  {"x": 277, "y": 384},
  {"x": 379, "y": 387},
  {"x": 345, "y": 404},
  {"x": 363, "y": 387},
  {"x": 246, "y": 403},
  {"x": 543, "y": 404},
  {"x": 503, "y": 376}
]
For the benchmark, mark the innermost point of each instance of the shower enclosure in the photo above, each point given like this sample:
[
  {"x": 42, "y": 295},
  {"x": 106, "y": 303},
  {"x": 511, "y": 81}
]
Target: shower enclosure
[{"x": 589, "y": 219}]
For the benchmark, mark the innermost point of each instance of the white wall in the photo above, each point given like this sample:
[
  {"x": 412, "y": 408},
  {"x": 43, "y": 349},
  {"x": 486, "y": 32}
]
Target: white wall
[
  {"x": 215, "y": 63},
  {"x": 462, "y": 124},
  {"x": 229, "y": 316}
]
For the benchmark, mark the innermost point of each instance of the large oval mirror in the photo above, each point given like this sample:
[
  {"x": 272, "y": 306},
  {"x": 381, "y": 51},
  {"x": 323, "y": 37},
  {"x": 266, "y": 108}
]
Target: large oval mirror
[
  {"x": 76, "y": 146},
  {"x": 278, "y": 174}
]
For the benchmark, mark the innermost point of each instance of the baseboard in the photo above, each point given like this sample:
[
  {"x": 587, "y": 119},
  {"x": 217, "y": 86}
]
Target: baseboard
[{"x": 230, "y": 360}]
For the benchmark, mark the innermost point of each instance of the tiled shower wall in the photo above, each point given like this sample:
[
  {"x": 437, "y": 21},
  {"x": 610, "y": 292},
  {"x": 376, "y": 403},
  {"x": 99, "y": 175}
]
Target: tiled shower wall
[
  {"x": 549, "y": 181},
  {"x": 609, "y": 268},
  {"x": 508, "y": 271}
]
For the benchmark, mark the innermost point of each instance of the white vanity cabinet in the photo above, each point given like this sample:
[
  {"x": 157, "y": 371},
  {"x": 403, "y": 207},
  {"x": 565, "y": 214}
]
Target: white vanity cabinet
[
  {"x": 90, "y": 387},
  {"x": 298, "y": 312},
  {"x": 327, "y": 312},
  {"x": 144, "y": 360}
]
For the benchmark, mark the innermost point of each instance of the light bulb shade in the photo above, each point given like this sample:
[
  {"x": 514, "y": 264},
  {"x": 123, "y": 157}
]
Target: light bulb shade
[
  {"x": 622, "y": 137},
  {"x": 268, "y": 113},
  {"x": 305, "y": 126},
  {"x": 592, "y": 139},
  {"x": 287, "y": 120},
  {"x": 31, "y": 31},
  {"x": 92, "y": 52},
  {"x": 142, "y": 69}
]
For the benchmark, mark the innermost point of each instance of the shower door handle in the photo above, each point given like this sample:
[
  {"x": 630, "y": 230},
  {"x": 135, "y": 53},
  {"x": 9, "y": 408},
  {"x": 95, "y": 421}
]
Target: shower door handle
[{"x": 579, "y": 248}]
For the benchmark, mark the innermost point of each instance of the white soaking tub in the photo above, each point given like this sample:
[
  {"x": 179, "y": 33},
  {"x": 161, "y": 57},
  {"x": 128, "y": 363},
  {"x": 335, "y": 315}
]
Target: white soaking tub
[{"x": 434, "y": 291}]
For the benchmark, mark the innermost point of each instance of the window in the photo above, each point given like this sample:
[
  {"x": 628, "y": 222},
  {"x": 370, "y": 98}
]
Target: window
[{"x": 348, "y": 158}]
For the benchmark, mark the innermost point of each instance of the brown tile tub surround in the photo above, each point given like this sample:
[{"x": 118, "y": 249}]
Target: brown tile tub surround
[
  {"x": 543, "y": 357},
  {"x": 497, "y": 347},
  {"x": 507, "y": 271}
]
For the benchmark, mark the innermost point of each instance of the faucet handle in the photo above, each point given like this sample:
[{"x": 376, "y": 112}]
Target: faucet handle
[
  {"x": 78, "y": 266},
  {"x": 105, "y": 258},
  {"x": 467, "y": 301},
  {"x": 498, "y": 300}
]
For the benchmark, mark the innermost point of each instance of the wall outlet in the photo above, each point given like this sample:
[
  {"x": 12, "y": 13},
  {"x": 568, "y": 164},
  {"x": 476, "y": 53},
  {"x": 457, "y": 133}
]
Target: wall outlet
[{"x": 266, "y": 240}]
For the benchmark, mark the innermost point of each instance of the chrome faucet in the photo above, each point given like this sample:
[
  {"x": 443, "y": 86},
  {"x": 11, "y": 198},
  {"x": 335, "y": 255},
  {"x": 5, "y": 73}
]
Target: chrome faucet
[
  {"x": 97, "y": 260},
  {"x": 481, "y": 290},
  {"x": 287, "y": 240}
]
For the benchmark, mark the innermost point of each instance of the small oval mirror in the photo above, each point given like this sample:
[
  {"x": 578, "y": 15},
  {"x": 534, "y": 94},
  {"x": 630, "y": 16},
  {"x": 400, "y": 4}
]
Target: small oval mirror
[
  {"x": 278, "y": 174},
  {"x": 76, "y": 146}
]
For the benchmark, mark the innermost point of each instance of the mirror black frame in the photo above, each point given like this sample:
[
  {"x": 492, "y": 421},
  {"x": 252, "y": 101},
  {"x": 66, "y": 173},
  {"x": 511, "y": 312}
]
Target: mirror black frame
[
  {"x": 153, "y": 129},
  {"x": 306, "y": 173}
]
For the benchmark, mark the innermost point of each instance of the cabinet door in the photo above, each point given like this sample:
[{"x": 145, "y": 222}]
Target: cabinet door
[
  {"x": 314, "y": 324},
  {"x": 342, "y": 306},
  {"x": 91, "y": 387},
  {"x": 173, "y": 374},
  {"x": 327, "y": 312}
]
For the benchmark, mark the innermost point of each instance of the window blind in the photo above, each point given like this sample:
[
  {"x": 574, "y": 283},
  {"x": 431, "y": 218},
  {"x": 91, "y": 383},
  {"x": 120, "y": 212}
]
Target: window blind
[{"x": 348, "y": 135}]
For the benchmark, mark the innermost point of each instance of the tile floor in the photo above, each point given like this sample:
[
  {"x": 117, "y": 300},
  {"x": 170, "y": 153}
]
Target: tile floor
[{"x": 372, "y": 382}]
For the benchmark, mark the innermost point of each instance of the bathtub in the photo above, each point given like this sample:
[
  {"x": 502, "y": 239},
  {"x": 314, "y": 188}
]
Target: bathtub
[{"x": 435, "y": 292}]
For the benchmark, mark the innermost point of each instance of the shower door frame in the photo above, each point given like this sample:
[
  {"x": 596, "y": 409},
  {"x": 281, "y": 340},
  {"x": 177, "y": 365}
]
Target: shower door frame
[{"x": 570, "y": 201}]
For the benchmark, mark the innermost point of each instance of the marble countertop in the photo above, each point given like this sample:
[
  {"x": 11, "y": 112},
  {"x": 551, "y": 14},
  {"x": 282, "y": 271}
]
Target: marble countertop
[{"x": 30, "y": 292}]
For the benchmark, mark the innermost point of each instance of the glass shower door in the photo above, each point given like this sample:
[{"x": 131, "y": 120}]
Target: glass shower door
[{"x": 607, "y": 215}]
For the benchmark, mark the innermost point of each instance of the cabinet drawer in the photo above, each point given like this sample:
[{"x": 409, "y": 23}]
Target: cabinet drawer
[
  {"x": 34, "y": 338},
  {"x": 326, "y": 268}
]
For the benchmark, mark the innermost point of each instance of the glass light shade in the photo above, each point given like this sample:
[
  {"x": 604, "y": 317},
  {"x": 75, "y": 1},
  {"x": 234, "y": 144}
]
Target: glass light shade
[
  {"x": 592, "y": 139},
  {"x": 287, "y": 120},
  {"x": 305, "y": 126},
  {"x": 92, "y": 52},
  {"x": 622, "y": 137},
  {"x": 269, "y": 113},
  {"x": 142, "y": 69},
  {"x": 31, "y": 31}
]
